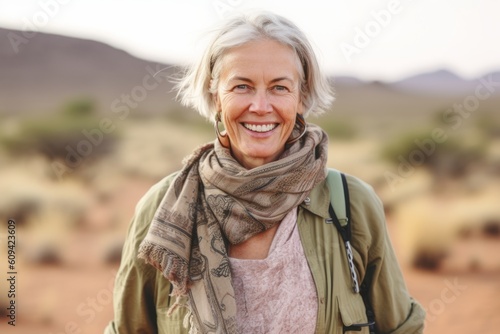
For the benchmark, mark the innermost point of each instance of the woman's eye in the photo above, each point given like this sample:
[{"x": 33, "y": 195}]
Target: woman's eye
[
  {"x": 241, "y": 87},
  {"x": 280, "y": 88}
]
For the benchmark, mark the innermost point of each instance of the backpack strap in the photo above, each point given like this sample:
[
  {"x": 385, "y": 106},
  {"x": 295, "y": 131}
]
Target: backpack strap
[
  {"x": 338, "y": 191},
  {"x": 340, "y": 213}
]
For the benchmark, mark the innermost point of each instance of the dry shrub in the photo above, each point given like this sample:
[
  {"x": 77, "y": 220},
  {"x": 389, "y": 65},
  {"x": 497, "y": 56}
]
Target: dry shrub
[
  {"x": 429, "y": 258},
  {"x": 482, "y": 211},
  {"x": 51, "y": 134},
  {"x": 21, "y": 197},
  {"x": 424, "y": 232},
  {"x": 43, "y": 242},
  {"x": 491, "y": 228},
  {"x": 3, "y": 307},
  {"x": 430, "y": 224},
  {"x": 30, "y": 199},
  {"x": 453, "y": 158},
  {"x": 46, "y": 253},
  {"x": 43, "y": 209}
]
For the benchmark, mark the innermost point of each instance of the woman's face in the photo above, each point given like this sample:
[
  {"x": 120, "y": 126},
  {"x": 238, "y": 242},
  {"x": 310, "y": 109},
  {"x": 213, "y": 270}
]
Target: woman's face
[{"x": 259, "y": 96}]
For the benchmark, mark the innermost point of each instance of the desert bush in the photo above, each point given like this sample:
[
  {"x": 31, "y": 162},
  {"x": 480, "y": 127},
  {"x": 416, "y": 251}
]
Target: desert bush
[
  {"x": 21, "y": 200},
  {"x": 428, "y": 259},
  {"x": 44, "y": 254},
  {"x": 3, "y": 307},
  {"x": 425, "y": 230},
  {"x": 450, "y": 156},
  {"x": 79, "y": 108},
  {"x": 51, "y": 135},
  {"x": 33, "y": 201},
  {"x": 491, "y": 228}
]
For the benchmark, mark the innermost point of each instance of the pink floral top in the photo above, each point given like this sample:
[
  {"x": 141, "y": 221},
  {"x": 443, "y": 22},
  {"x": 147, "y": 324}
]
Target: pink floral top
[{"x": 276, "y": 294}]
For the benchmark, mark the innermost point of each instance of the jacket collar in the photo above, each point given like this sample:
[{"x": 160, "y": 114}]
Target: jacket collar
[{"x": 318, "y": 200}]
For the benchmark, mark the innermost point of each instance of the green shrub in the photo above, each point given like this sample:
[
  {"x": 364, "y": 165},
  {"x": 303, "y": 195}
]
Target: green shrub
[
  {"x": 452, "y": 154},
  {"x": 54, "y": 135}
]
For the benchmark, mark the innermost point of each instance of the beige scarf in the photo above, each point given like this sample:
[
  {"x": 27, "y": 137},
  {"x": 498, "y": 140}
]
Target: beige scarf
[{"x": 214, "y": 202}]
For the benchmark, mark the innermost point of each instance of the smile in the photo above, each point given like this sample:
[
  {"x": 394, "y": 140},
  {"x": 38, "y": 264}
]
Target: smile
[{"x": 260, "y": 127}]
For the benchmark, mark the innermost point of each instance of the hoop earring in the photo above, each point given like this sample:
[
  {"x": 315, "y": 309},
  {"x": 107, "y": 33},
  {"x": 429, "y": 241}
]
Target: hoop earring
[
  {"x": 220, "y": 136},
  {"x": 300, "y": 126}
]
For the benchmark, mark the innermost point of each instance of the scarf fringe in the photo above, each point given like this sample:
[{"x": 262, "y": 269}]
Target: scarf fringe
[
  {"x": 188, "y": 321},
  {"x": 151, "y": 254},
  {"x": 154, "y": 255}
]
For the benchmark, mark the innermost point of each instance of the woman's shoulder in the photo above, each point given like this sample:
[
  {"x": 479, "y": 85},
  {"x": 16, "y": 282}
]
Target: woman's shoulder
[
  {"x": 146, "y": 208},
  {"x": 363, "y": 197},
  {"x": 368, "y": 222},
  {"x": 143, "y": 216},
  {"x": 361, "y": 192},
  {"x": 153, "y": 197}
]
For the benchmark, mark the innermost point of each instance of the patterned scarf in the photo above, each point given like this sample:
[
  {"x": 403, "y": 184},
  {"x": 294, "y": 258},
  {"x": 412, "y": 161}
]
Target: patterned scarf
[{"x": 214, "y": 202}]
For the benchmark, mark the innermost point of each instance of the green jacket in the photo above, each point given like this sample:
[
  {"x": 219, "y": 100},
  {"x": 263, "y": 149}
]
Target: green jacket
[{"x": 141, "y": 295}]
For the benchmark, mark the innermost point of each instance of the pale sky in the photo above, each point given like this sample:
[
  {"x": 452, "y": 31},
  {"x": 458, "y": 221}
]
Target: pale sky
[{"x": 369, "y": 39}]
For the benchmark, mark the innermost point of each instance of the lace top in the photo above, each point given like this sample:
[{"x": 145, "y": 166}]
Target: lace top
[{"x": 276, "y": 294}]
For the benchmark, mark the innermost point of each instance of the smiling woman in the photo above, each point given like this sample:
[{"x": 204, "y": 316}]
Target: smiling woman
[{"x": 240, "y": 236}]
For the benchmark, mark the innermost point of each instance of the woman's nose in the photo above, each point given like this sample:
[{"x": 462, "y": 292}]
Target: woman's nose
[{"x": 260, "y": 102}]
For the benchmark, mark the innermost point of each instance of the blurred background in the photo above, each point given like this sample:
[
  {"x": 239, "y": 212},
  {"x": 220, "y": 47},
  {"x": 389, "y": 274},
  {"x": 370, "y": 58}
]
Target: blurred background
[{"x": 89, "y": 121}]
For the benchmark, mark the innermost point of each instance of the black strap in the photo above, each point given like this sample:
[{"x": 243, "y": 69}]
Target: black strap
[
  {"x": 364, "y": 290},
  {"x": 345, "y": 231},
  {"x": 365, "y": 294}
]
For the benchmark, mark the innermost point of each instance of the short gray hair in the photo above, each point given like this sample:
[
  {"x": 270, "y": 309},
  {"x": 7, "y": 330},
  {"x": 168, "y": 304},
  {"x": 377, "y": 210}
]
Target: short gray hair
[{"x": 200, "y": 81}]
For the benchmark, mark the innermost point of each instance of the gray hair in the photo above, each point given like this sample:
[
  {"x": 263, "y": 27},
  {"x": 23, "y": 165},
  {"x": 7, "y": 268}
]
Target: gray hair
[{"x": 198, "y": 84}]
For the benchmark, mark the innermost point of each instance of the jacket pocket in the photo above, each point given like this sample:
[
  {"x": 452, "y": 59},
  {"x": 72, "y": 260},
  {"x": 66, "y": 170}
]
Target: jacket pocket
[{"x": 352, "y": 313}]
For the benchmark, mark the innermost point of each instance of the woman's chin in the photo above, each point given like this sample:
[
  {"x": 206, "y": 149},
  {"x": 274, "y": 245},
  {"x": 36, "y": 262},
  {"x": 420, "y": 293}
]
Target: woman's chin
[{"x": 257, "y": 156}]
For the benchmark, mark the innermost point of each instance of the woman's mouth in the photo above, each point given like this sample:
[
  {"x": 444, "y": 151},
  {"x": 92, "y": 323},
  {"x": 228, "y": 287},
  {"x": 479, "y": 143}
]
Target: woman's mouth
[{"x": 260, "y": 127}]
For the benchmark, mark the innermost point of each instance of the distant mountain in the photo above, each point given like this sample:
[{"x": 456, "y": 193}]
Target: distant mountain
[
  {"x": 439, "y": 82},
  {"x": 51, "y": 70}
]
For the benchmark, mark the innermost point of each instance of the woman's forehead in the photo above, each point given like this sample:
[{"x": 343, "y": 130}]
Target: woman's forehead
[{"x": 266, "y": 57}]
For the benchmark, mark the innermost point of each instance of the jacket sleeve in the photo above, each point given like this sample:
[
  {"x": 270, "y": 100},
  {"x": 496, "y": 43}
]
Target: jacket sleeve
[
  {"x": 140, "y": 290},
  {"x": 396, "y": 312}
]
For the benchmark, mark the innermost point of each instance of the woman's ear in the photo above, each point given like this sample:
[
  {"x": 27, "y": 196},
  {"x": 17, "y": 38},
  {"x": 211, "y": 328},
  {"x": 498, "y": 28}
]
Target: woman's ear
[
  {"x": 300, "y": 109},
  {"x": 215, "y": 96},
  {"x": 216, "y": 100}
]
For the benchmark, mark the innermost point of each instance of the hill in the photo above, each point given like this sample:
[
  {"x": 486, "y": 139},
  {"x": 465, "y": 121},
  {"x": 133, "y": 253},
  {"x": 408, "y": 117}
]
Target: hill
[{"x": 50, "y": 69}]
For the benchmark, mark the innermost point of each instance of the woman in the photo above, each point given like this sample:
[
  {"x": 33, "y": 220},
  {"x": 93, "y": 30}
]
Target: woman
[{"x": 238, "y": 236}]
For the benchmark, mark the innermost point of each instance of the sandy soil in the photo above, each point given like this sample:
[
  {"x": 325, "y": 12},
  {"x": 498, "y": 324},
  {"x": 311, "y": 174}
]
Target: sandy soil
[{"x": 76, "y": 297}]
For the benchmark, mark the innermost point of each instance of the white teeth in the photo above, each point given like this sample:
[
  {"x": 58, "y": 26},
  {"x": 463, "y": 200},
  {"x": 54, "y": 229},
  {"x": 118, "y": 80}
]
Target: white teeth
[{"x": 259, "y": 128}]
